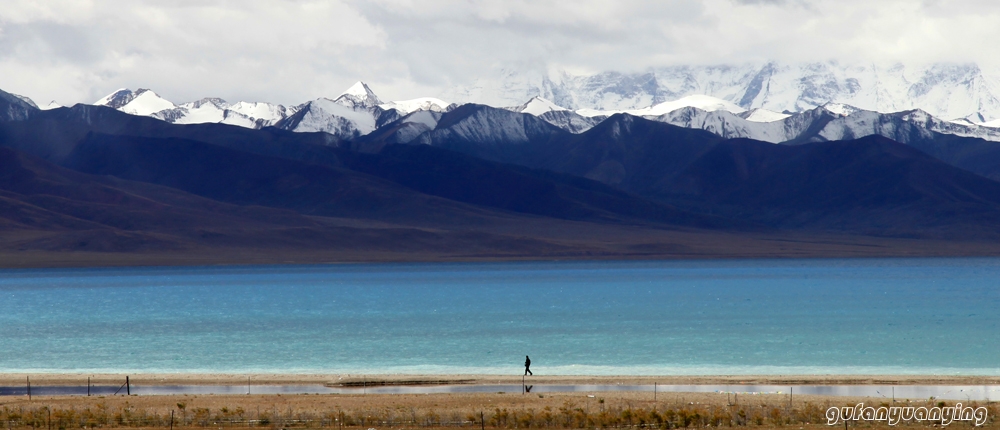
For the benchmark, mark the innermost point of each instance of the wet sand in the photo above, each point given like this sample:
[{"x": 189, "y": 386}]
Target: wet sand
[{"x": 154, "y": 379}]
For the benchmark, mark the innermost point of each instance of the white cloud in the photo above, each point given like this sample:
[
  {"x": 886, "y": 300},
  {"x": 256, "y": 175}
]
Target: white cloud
[{"x": 292, "y": 51}]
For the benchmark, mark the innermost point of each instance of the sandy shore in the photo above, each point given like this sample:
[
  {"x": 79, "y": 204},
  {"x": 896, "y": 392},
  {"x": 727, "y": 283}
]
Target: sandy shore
[{"x": 18, "y": 379}]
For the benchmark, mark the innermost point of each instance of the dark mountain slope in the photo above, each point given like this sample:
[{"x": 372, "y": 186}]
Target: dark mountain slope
[
  {"x": 249, "y": 179},
  {"x": 53, "y": 134},
  {"x": 48, "y": 214},
  {"x": 632, "y": 153},
  {"x": 871, "y": 184},
  {"x": 237, "y": 173},
  {"x": 410, "y": 177},
  {"x": 91, "y": 201},
  {"x": 472, "y": 180},
  {"x": 492, "y": 134},
  {"x": 12, "y": 108},
  {"x": 100, "y": 213},
  {"x": 973, "y": 154},
  {"x": 911, "y": 127}
]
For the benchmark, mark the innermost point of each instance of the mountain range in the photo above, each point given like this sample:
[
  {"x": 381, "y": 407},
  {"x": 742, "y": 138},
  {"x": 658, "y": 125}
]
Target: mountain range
[
  {"x": 138, "y": 179},
  {"x": 946, "y": 90},
  {"x": 358, "y": 111}
]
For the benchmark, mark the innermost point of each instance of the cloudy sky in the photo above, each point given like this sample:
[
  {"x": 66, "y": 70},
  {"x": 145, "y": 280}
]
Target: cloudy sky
[{"x": 292, "y": 51}]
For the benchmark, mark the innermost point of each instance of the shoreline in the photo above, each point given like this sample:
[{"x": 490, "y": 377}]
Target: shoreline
[
  {"x": 620, "y": 244},
  {"x": 347, "y": 380}
]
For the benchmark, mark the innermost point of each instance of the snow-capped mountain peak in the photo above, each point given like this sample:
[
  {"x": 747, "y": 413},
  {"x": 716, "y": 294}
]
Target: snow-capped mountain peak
[
  {"x": 946, "y": 90},
  {"x": 423, "y": 103},
  {"x": 538, "y": 106},
  {"x": 359, "y": 89},
  {"x": 146, "y": 102},
  {"x": 332, "y": 116},
  {"x": 117, "y": 99},
  {"x": 140, "y": 102},
  {"x": 264, "y": 113},
  {"x": 841, "y": 109},
  {"x": 699, "y": 101},
  {"x": 358, "y": 95},
  {"x": 214, "y": 101}
]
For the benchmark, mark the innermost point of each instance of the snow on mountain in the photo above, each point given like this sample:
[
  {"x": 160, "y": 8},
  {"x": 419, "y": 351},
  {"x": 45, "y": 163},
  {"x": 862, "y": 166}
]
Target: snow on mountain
[
  {"x": 428, "y": 119},
  {"x": 14, "y": 107},
  {"x": 415, "y": 124},
  {"x": 52, "y": 105},
  {"x": 830, "y": 122},
  {"x": 331, "y": 116},
  {"x": 116, "y": 99},
  {"x": 928, "y": 122},
  {"x": 354, "y": 113},
  {"x": 27, "y": 100},
  {"x": 357, "y": 112},
  {"x": 146, "y": 103},
  {"x": 208, "y": 110},
  {"x": 731, "y": 100},
  {"x": 698, "y": 101},
  {"x": 730, "y": 125},
  {"x": 402, "y": 130},
  {"x": 571, "y": 121},
  {"x": 419, "y": 104},
  {"x": 537, "y": 106},
  {"x": 583, "y": 119},
  {"x": 358, "y": 96},
  {"x": 140, "y": 102},
  {"x": 264, "y": 113},
  {"x": 841, "y": 109},
  {"x": 763, "y": 115},
  {"x": 489, "y": 128},
  {"x": 558, "y": 115},
  {"x": 946, "y": 90}
]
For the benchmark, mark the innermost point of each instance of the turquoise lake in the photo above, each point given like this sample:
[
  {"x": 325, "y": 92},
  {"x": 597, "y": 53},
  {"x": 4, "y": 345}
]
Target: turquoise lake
[{"x": 834, "y": 316}]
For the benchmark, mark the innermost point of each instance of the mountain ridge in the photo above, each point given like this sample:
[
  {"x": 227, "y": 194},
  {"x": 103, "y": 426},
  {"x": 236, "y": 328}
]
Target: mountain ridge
[{"x": 484, "y": 182}]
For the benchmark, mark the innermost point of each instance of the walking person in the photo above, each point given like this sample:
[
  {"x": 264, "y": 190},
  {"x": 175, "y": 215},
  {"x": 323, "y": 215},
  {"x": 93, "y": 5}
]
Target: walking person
[{"x": 527, "y": 366}]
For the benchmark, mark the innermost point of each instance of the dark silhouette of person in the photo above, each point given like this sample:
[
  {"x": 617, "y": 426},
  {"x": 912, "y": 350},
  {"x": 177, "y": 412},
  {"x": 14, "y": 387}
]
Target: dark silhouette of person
[{"x": 527, "y": 366}]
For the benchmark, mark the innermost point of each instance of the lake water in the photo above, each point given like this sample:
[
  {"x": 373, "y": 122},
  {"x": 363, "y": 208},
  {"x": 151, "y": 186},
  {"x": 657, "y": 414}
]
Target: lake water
[{"x": 885, "y": 316}]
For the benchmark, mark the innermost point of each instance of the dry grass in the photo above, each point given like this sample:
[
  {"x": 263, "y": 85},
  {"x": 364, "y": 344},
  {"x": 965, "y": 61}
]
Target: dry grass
[{"x": 495, "y": 411}]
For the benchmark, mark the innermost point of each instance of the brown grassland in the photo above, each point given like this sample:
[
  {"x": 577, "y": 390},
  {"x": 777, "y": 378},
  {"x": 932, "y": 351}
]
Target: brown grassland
[{"x": 601, "y": 410}]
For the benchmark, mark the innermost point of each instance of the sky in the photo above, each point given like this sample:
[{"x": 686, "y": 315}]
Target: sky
[{"x": 292, "y": 51}]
